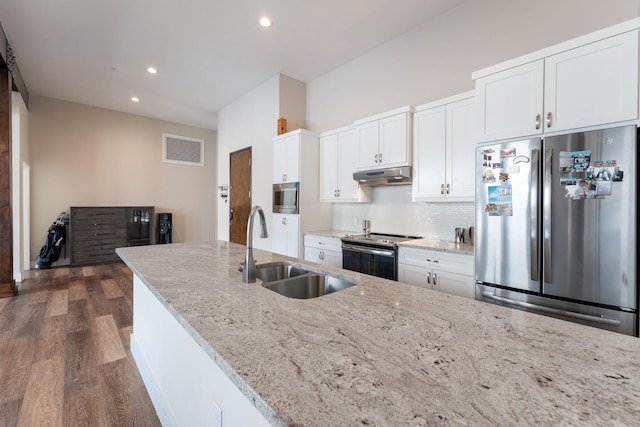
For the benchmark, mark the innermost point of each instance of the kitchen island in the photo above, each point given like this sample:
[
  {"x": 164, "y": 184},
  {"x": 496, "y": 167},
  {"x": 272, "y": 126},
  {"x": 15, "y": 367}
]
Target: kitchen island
[{"x": 379, "y": 353}]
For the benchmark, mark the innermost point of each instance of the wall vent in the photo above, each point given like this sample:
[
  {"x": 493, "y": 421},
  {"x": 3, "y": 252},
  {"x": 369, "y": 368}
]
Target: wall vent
[{"x": 182, "y": 150}]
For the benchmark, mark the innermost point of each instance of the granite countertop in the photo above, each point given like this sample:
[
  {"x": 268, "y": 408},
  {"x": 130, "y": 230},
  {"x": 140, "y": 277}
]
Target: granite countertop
[
  {"x": 422, "y": 243},
  {"x": 384, "y": 353}
]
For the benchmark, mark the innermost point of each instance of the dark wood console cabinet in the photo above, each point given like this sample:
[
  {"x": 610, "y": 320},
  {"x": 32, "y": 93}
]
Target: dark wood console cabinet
[{"x": 95, "y": 232}]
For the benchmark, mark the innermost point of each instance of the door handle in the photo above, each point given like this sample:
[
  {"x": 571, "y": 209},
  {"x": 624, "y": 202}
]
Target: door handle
[
  {"x": 231, "y": 215},
  {"x": 547, "y": 220},
  {"x": 535, "y": 226},
  {"x": 549, "y": 119},
  {"x": 603, "y": 320}
]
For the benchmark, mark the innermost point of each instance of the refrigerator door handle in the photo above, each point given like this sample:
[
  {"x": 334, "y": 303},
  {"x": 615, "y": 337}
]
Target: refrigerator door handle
[
  {"x": 533, "y": 200},
  {"x": 546, "y": 206},
  {"x": 603, "y": 320}
]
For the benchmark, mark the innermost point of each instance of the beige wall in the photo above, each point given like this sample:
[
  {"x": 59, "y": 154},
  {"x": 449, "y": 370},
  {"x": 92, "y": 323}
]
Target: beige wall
[{"x": 87, "y": 156}]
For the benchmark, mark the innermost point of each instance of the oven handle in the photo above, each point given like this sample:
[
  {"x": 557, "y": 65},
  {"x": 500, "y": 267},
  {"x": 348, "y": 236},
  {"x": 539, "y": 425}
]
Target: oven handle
[{"x": 367, "y": 250}]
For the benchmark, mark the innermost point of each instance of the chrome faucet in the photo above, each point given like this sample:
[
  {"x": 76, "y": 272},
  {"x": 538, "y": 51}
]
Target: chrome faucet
[{"x": 249, "y": 265}]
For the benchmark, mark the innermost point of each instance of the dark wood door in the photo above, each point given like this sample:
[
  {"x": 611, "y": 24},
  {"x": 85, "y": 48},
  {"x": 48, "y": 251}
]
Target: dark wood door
[
  {"x": 239, "y": 195},
  {"x": 7, "y": 284}
]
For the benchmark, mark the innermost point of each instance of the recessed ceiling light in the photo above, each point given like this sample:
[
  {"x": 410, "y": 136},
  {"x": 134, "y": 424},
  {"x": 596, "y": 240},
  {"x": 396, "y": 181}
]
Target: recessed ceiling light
[
  {"x": 152, "y": 70},
  {"x": 265, "y": 22},
  {"x": 135, "y": 99}
]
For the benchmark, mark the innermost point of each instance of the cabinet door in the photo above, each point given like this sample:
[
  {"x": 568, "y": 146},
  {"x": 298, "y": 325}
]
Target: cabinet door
[
  {"x": 347, "y": 164},
  {"x": 429, "y": 135},
  {"x": 593, "y": 84},
  {"x": 461, "y": 149},
  {"x": 367, "y": 136},
  {"x": 333, "y": 258},
  {"x": 414, "y": 275},
  {"x": 279, "y": 160},
  {"x": 293, "y": 158},
  {"x": 286, "y": 233},
  {"x": 329, "y": 165},
  {"x": 279, "y": 234},
  {"x": 313, "y": 254},
  {"x": 292, "y": 235},
  {"x": 510, "y": 102},
  {"x": 286, "y": 159},
  {"x": 393, "y": 144},
  {"x": 455, "y": 284}
]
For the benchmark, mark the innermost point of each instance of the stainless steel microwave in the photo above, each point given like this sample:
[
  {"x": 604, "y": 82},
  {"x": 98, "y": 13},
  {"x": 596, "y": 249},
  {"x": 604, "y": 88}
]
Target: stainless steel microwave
[{"x": 286, "y": 198}]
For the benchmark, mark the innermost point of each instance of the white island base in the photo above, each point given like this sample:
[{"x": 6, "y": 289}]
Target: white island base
[{"x": 186, "y": 386}]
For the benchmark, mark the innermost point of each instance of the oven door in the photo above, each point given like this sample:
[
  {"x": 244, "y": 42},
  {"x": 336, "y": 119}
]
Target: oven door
[{"x": 379, "y": 262}]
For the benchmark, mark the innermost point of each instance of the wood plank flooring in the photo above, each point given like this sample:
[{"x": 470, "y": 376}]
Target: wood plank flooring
[{"x": 64, "y": 351}]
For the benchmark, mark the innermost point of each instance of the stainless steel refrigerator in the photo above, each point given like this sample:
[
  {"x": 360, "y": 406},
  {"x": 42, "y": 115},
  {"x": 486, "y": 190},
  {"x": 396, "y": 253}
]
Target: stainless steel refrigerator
[{"x": 556, "y": 226}]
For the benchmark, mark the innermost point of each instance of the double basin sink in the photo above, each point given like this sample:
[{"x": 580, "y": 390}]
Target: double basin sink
[{"x": 295, "y": 282}]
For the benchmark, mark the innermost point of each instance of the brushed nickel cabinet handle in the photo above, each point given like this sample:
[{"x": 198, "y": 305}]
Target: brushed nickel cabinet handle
[
  {"x": 549, "y": 120},
  {"x": 537, "y": 121},
  {"x": 442, "y": 189}
]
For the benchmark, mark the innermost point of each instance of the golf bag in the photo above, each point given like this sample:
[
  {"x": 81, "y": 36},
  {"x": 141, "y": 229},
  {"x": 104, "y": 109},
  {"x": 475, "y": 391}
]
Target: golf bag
[{"x": 54, "y": 242}]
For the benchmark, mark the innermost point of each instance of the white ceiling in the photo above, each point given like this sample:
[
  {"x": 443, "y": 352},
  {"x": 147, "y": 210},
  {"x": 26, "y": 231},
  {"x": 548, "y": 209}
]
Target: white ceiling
[{"x": 208, "y": 52}]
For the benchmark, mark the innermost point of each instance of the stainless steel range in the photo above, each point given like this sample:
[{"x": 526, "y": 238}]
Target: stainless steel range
[{"x": 375, "y": 254}]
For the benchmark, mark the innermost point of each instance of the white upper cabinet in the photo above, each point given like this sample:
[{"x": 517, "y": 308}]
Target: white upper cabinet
[
  {"x": 286, "y": 158},
  {"x": 581, "y": 83},
  {"x": 593, "y": 84},
  {"x": 338, "y": 161},
  {"x": 384, "y": 140},
  {"x": 444, "y": 149},
  {"x": 511, "y": 102}
]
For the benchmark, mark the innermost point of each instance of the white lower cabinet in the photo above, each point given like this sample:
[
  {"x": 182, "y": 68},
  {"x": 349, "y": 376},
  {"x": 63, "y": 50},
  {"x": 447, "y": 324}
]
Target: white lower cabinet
[
  {"x": 437, "y": 270},
  {"x": 323, "y": 250},
  {"x": 286, "y": 232}
]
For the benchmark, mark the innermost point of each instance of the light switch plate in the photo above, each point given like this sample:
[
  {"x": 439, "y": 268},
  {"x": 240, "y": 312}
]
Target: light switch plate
[{"x": 354, "y": 221}]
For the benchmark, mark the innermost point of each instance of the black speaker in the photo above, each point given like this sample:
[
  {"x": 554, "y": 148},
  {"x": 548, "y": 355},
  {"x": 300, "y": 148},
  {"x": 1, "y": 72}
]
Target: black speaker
[{"x": 164, "y": 228}]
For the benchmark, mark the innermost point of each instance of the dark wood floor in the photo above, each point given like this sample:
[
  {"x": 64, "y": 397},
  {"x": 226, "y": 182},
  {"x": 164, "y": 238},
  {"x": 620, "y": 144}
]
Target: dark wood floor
[{"x": 64, "y": 351}]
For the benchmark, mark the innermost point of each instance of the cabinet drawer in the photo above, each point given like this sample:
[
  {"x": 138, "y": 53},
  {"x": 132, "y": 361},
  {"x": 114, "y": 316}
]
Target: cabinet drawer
[
  {"x": 93, "y": 213},
  {"x": 97, "y": 223},
  {"x": 321, "y": 242},
  {"x": 95, "y": 257},
  {"x": 453, "y": 263},
  {"x": 98, "y": 245},
  {"x": 100, "y": 234}
]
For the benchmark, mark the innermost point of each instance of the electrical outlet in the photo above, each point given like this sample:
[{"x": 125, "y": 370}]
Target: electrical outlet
[{"x": 354, "y": 221}]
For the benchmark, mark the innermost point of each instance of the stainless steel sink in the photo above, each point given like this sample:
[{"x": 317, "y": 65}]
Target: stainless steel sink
[
  {"x": 271, "y": 273},
  {"x": 295, "y": 282},
  {"x": 309, "y": 285}
]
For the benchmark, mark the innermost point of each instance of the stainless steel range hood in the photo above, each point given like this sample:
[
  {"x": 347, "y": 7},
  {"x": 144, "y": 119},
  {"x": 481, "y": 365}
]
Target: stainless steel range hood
[{"x": 388, "y": 176}]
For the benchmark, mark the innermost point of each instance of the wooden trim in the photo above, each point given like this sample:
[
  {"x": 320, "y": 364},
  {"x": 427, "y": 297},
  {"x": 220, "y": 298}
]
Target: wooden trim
[
  {"x": 9, "y": 61},
  {"x": 7, "y": 284}
]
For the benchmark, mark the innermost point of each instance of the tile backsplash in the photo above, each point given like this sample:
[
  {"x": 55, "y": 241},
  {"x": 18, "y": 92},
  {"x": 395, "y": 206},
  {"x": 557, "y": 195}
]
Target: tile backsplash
[{"x": 392, "y": 211}]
